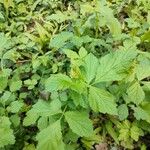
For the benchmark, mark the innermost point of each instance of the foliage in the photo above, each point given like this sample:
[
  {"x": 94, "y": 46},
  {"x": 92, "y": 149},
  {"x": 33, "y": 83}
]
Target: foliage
[{"x": 74, "y": 74}]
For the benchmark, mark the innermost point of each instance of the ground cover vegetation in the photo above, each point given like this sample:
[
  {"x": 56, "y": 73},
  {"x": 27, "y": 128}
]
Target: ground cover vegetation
[{"x": 74, "y": 74}]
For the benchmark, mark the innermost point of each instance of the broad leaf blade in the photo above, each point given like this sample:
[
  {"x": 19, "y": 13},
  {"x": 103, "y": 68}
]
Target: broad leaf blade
[
  {"x": 6, "y": 132},
  {"x": 50, "y": 138},
  {"x": 91, "y": 64},
  {"x": 79, "y": 123},
  {"x": 102, "y": 101},
  {"x": 42, "y": 108},
  {"x": 114, "y": 66},
  {"x": 58, "y": 82},
  {"x": 135, "y": 94}
]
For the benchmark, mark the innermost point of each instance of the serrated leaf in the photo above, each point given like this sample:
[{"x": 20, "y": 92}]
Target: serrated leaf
[
  {"x": 114, "y": 66},
  {"x": 102, "y": 101},
  {"x": 111, "y": 131},
  {"x": 7, "y": 136},
  {"x": 79, "y": 123},
  {"x": 41, "y": 109},
  {"x": 135, "y": 132},
  {"x": 58, "y": 82},
  {"x": 124, "y": 132},
  {"x": 15, "y": 85},
  {"x": 90, "y": 65},
  {"x": 123, "y": 111},
  {"x": 3, "y": 42},
  {"x": 43, "y": 123},
  {"x": 135, "y": 94},
  {"x": 50, "y": 138},
  {"x": 143, "y": 69},
  {"x": 15, "y": 106},
  {"x": 141, "y": 114},
  {"x": 60, "y": 40}
]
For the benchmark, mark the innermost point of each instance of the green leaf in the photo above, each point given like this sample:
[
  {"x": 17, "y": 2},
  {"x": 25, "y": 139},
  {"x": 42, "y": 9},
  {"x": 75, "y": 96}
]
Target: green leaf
[
  {"x": 124, "y": 132},
  {"x": 15, "y": 119},
  {"x": 61, "y": 16},
  {"x": 141, "y": 114},
  {"x": 60, "y": 40},
  {"x": 79, "y": 122},
  {"x": 143, "y": 69},
  {"x": 135, "y": 132},
  {"x": 29, "y": 147},
  {"x": 41, "y": 31},
  {"x": 15, "y": 106},
  {"x": 106, "y": 14},
  {"x": 135, "y": 94},
  {"x": 111, "y": 131},
  {"x": 3, "y": 42},
  {"x": 91, "y": 64},
  {"x": 6, "y": 132},
  {"x": 3, "y": 83},
  {"x": 82, "y": 52},
  {"x": 114, "y": 66},
  {"x": 123, "y": 111},
  {"x": 15, "y": 85},
  {"x": 102, "y": 101},
  {"x": 43, "y": 122},
  {"x": 50, "y": 138},
  {"x": 58, "y": 82},
  {"x": 42, "y": 108},
  {"x": 71, "y": 54}
]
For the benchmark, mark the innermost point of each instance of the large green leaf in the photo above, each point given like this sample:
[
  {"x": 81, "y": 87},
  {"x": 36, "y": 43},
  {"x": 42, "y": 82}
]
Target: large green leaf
[
  {"x": 60, "y": 40},
  {"x": 7, "y": 136},
  {"x": 102, "y": 101},
  {"x": 141, "y": 113},
  {"x": 135, "y": 94},
  {"x": 50, "y": 138},
  {"x": 91, "y": 64},
  {"x": 42, "y": 108},
  {"x": 114, "y": 66},
  {"x": 143, "y": 68},
  {"x": 15, "y": 106},
  {"x": 58, "y": 82},
  {"x": 79, "y": 122}
]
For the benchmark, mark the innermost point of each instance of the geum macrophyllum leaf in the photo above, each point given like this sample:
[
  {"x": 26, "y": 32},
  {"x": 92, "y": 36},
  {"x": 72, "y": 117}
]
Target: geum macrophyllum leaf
[
  {"x": 114, "y": 66},
  {"x": 123, "y": 111},
  {"x": 135, "y": 94},
  {"x": 79, "y": 123},
  {"x": 142, "y": 112},
  {"x": 143, "y": 68},
  {"x": 102, "y": 101},
  {"x": 60, "y": 39},
  {"x": 90, "y": 65},
  {"x": 50, "y": 138},
  {"x": 42, "y": 109},
  {"x": 6, "y": 133},
  {"x": 58, "y": 82}
]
